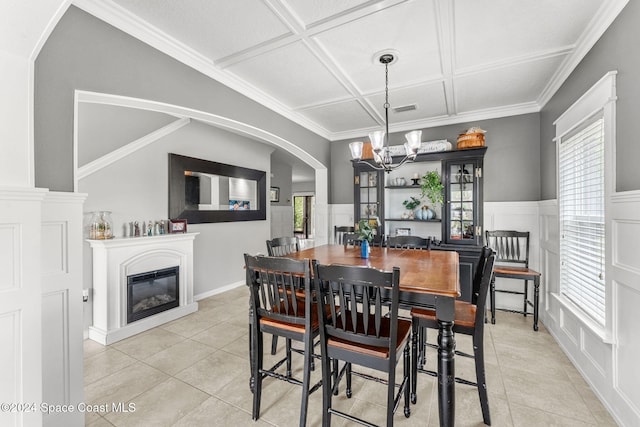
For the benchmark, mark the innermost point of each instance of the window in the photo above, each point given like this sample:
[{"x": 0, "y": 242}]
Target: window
[
  {"x": 585, "y": 137},
  {"x": 581, "y": 207}
]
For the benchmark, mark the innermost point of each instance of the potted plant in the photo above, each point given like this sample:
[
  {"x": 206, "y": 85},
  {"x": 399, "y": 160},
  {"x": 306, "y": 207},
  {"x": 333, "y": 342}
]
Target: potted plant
[
  {"x": 432, "y": 187},
  {"x": 365, "y": 232}
]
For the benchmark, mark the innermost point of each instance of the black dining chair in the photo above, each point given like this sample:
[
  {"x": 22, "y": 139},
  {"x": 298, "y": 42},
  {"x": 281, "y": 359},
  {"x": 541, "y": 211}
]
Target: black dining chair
[
  {"x": 281, "y": 246},
  {"x": 469, "y": 320},
  {"x": 408, "y": 242},
  {"x": 360, "y": 326},
  {"x": 339, "y": 232},
  {"x": 512, "y": 262},
  {"x": 282, "y": 306},
  {"x": 351, "y": 239}
]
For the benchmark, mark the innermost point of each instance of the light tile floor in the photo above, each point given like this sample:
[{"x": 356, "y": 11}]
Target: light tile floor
[{"x": 194, "y": 371}]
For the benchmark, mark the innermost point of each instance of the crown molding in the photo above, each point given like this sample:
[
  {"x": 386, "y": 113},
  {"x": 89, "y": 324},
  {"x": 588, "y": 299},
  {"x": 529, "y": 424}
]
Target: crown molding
[
  {"x": 120, "y": 18},
  {"x": 470, "y": 116},
  {"x": 596, "y": 28}
]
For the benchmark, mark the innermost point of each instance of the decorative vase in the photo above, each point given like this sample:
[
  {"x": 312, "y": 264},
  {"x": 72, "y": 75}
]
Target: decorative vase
[
  {"x": 428, "y": 213},
  {"x": 364, "y": 249},
  {"x": 101, "y": 226}
]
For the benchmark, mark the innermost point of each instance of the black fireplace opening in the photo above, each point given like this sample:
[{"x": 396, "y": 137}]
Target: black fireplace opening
[{"x": 152, "y": 292}]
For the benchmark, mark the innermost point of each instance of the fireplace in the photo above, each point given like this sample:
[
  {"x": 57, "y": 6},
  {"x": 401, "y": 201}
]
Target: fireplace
[
  {"x": 152, "y": 292},
  {"x": 140, "y": 283}
]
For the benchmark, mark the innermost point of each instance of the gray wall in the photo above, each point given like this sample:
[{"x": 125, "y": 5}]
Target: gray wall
[
  {"x": 617, "y": 49},
  {"x": 134, "y": 189},
  {"x": 281, "y": 178},
  {"x": 304, "y": 187},
  {"x": 87, "y": 54},
  {"x": 511, "y": 165}
]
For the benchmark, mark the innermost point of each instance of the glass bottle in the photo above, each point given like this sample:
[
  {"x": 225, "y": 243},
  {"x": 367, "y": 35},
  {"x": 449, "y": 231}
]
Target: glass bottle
[{"x": 101, "y": 226}]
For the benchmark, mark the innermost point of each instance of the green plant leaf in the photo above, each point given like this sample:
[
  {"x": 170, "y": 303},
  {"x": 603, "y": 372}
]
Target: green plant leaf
[{"x": 432, "y": 187}]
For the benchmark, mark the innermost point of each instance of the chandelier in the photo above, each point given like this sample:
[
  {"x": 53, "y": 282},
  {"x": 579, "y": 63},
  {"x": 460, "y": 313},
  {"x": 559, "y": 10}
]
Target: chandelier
[{"x": 380, "y": 139}]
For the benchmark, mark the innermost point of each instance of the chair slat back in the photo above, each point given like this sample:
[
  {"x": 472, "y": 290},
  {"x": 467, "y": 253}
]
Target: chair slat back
[
  {"x": 351, "y": 239},
  {"x": 482, "y": 281},
  {"x": 511, "y": 247},
  {"x": 281, "y": 246},
  {"x": 408, "y": 242},
  {"x": 359, "y": 299},
  {"x": 278, "y": 288},
  {"x": 339, "y": 232}
]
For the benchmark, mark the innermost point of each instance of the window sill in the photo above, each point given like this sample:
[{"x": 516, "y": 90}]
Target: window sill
[{"x": 587, "y": 322}]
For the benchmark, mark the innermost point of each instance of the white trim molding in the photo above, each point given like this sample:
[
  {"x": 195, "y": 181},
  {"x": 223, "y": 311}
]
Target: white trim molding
[{"x": 606, "y": 361}]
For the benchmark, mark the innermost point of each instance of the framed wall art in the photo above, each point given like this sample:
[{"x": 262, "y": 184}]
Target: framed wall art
[{"x": 274, "y": 194}]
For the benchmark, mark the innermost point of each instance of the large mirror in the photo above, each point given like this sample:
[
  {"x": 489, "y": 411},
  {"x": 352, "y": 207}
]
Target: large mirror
[{"x": 205, "y": 191}]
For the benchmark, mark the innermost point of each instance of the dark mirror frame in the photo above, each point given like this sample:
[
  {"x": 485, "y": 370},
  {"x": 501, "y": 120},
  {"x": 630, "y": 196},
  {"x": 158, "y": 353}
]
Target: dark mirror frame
[{"x": 177, "y": 206}]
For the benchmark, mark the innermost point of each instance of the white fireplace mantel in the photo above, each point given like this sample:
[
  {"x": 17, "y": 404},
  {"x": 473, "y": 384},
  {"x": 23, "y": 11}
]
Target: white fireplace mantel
[{"x": 115, "y": 259}]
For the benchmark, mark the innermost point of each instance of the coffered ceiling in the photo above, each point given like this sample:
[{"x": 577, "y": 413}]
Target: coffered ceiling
[{"x": 316, "y": 61}]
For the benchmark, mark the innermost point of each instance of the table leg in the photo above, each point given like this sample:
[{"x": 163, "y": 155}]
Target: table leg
[
  {"x": 536, "y": 301},
  {"x": 252, "y": 352},
  {"x": 492, "y": 295},
  {"x": 446, "y": 374},
  {"x": 446, "y": 363}
]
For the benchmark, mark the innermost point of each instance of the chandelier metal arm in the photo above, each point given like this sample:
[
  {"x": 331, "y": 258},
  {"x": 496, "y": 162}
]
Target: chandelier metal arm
[{"x": 380, "y": 145}]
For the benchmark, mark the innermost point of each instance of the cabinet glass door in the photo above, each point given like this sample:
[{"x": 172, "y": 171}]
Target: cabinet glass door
[
  {"x": 461, "y": 197},
  {"x": 368, "y": 194}
]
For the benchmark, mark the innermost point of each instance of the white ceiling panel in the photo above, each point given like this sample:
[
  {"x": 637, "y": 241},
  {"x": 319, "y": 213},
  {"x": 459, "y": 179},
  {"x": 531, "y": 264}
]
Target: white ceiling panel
[
  {"x": 511, "y": 85},
  {"x": 491, "y": 31},
  {"x": 429, "y": 99},
  {"x": 214, "y": 28},
  {"x": 341, "y": 116},
  {"x": 409, "y": 29},
  {"x": 291, "y": 74},
  {"x": 311, "y": 12}
]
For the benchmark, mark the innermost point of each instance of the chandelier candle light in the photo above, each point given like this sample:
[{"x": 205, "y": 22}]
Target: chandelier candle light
[{"x": 380, "y": 139}]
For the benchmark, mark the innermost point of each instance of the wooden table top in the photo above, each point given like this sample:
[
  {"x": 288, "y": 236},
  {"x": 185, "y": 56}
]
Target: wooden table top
[{"x": 421, "y": 271}]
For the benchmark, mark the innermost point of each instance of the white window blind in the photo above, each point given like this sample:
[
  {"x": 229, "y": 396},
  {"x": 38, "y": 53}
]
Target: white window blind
[{"x": 581, "y": 197}]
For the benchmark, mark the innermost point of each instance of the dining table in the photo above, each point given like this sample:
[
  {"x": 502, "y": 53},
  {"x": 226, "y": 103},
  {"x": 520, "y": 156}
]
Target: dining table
[{"x": 428, "y": 279}]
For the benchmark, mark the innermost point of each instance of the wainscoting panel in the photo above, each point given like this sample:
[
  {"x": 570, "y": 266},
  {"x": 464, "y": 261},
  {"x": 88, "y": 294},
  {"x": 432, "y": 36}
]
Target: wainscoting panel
[
  {"x": 595, "y": 352},
  {"x": 55, "y": 254},
  {"x": 520, "y": 216},
  {"x": 628, "y": 348},
  {"x": 570, "y": 327},
  {"x": 606, "y": 359},
  {"x": 55, "y": 339},
  {"x": 340, "y": 215},
  {"x": 625, "y": 254},
  {"x": 10, "y": 355},
  {"x": 10, "y": 259},
  {"x": 62, "y": 306},
  {"x": 20, "y": 303}
]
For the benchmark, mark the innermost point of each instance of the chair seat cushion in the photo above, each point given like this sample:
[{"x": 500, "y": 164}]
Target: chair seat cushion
[
  {"x": 296, "y": 327},
  {"x": 500, "y": 270},
  {"x": 465, "y": 315},
  {"x": 404, "y": 331}
]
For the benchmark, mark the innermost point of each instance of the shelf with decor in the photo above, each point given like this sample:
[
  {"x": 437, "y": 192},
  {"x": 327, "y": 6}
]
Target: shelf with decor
[{"x": 458, "y": 216}]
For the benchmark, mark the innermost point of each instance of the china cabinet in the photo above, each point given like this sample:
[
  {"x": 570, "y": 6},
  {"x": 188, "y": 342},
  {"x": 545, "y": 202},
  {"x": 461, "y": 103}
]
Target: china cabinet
[{"x": 456, "y": 224}]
